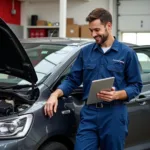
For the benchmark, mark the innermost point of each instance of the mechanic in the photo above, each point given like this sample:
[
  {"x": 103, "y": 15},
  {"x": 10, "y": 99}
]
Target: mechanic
[{"x": 104, "y": 124}]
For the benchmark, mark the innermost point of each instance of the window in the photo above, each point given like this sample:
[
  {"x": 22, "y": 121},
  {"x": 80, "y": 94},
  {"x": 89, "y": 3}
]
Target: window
[
  {"x": 144, "y": 61},
  {"x": 136, "y": 38},
  {"x": 129, "y": 38},
  {"x": 143, "y": 38}
]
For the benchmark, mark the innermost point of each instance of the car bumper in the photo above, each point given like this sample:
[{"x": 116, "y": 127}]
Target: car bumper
[
  {"x": 17, "y": 144},
  {"x": 8, "y": 145}
]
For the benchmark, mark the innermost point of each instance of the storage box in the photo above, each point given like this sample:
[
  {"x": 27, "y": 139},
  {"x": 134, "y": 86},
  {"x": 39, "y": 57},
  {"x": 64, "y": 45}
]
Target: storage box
[
  {"x": 35, "y": 33},
  {"x": 41, "y": 23},
  {"x": 69, "y": 21},
  {"x": 85, "y": 32},
  {"x": 73, "y": 30},
  {"x": 32, "y": 33},
  {"x": 43, "y": 33}
]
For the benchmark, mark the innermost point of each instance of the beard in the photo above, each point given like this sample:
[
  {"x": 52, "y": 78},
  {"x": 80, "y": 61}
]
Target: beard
[{"x": 101, "y": 39}]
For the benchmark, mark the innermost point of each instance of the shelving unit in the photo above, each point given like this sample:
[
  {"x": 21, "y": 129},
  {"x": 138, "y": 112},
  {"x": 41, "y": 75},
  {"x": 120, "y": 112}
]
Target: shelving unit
[
  {"x": 43, "y": 27},
  {"x": 50, "y": 31}
]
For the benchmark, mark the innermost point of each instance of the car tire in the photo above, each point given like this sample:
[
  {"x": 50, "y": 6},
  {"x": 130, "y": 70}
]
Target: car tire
[{"x": 54, "y": 146}]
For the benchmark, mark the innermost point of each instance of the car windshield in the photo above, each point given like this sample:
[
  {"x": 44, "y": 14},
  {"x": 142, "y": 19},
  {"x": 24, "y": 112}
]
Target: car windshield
[
  {"x": 43, "y": 57},
  {"x": 143, "y": 54}
]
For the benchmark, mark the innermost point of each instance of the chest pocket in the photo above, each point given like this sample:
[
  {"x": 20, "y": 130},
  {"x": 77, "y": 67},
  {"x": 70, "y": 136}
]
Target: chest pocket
[
  {"x": 116, "y": 69},
  {"x": 89, "y": 71}
]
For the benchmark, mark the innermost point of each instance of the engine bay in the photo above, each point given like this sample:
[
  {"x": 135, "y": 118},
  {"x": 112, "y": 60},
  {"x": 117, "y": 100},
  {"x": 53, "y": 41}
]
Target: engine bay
[
  {"x": 10, "y": 107},
  {"x": 13, "y": 103}
]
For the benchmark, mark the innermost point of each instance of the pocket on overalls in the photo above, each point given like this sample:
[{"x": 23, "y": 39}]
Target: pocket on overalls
[
  {"x": 117, "y": 70},
  {"x": 89, "y": 71}
]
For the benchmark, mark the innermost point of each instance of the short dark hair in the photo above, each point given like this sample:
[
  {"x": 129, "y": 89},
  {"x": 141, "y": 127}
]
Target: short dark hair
[{"x": 99, "y": 13}]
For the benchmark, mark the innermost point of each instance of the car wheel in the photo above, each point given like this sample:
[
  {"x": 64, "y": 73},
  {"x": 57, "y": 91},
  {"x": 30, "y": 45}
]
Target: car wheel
[{"x": 54, "y": 146}]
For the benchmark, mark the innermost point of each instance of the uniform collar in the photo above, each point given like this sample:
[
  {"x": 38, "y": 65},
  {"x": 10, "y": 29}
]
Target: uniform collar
[{"x": 115, "y": 46}]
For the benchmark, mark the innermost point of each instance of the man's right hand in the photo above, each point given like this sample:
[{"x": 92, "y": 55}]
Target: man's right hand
[{"x": 51, "y": 105}]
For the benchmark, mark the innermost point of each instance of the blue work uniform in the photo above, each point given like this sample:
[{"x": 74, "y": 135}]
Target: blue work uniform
[{"x": 105, "y": 126}]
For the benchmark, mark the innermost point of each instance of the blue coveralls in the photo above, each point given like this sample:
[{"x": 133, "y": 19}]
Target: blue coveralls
[{"x": 105, "y": 127}]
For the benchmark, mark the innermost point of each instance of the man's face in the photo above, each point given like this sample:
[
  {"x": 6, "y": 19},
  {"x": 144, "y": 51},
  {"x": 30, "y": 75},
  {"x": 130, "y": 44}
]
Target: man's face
[{"x": 99, "y": 31}]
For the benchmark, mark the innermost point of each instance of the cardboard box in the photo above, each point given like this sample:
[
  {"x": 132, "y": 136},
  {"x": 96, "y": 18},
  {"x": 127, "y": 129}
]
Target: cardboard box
[
  {"x": 69, "y": 21},
  {"x": 73, "y": 30},
  {"x": 41, "y": 23},
  {"x": 85, "y": 32}
]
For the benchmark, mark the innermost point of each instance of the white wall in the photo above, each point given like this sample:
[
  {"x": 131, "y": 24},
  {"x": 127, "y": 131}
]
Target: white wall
[
  {"x": 80, "y": 10},
  {"x": 50, "y": 10}
]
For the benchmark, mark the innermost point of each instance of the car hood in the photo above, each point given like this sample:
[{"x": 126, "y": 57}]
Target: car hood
[{"x": 13, "y": 58}]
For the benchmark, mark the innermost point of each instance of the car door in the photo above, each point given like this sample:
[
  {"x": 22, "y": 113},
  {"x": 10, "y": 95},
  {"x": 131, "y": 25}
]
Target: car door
[
  {"x": 139, "y": 108},
  {"x": 139, "y": 121},
  {"x": 74, "y": 101}
]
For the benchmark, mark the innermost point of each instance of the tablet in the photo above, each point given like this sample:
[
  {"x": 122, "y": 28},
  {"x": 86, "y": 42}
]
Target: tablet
[{"x": 97, "y": 86}]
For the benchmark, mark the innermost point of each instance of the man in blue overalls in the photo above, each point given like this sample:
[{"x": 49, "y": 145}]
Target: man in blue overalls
[{"x": 104, "y": 124}]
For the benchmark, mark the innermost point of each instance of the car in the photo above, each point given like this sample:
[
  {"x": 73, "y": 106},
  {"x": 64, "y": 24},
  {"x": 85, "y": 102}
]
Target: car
[{"x": 30, "y": 70}]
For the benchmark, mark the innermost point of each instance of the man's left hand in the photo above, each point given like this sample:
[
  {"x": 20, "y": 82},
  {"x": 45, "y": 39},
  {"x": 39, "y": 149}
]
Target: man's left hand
[{"x": 107, "y": 95}]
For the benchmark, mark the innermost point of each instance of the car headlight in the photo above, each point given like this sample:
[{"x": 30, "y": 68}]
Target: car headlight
[{"x": 15, "y": 127}]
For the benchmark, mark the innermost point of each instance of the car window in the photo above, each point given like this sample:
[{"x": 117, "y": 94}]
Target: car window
[
  {"x": 144, "y": 60},
  {"x": 47, "y": 64},
  {"x": 44, "y": 58},
  {"x": 38, "y": 53},
  {"x": 143, "y": 55}
]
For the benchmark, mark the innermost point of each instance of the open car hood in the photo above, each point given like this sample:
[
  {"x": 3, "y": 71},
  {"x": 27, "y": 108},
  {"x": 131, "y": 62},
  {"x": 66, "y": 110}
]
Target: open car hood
[{"x": 13, "y": 58}]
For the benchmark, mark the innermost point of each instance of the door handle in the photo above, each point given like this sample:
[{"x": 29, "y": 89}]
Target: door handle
[
  {"x": 65, "y": 112},
  {"x": 142, "y": 100}
]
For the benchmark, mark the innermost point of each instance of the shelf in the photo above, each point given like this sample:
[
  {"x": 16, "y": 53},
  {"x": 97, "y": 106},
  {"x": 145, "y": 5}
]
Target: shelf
[
  {"x": 44, "y": 27},
  {"x": 49, "y": 29}
]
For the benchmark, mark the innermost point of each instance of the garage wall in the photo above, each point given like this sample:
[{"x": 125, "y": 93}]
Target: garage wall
[
  {"x": 5, "y": 11},
  {"x": 134, "y": 15},
  {"x": 17, "y": 29},
  {"x": 80, "y": 10},
  {"x": 76, "y": 9}
]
